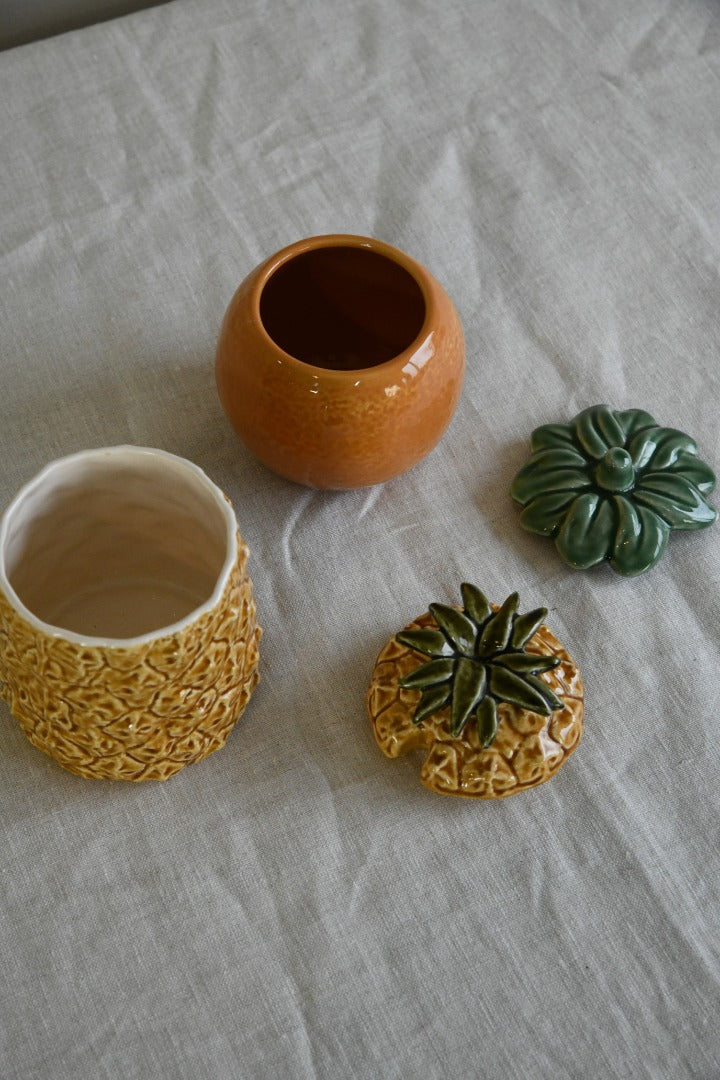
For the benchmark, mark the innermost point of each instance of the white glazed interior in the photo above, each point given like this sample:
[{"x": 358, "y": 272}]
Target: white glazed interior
[{"x": 115, "y": 546}]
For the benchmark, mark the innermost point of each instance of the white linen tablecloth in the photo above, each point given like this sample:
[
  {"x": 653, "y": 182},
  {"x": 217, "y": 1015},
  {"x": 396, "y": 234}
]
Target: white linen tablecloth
[{"x": 297, "y": 905}]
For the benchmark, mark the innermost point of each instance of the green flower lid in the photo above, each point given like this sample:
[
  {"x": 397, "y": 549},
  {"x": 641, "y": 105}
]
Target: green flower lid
[{"x": 612, "y": 485}]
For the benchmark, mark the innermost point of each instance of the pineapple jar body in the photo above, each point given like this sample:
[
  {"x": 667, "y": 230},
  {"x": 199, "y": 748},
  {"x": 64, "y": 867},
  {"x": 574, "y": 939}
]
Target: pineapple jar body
[
  {"x": 128, "y": 633},
  {"x": 340, "y": 362}
]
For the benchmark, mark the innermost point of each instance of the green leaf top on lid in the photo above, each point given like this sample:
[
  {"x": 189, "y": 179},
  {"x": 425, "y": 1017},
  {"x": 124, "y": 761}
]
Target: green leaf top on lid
[{"x": 478, "y": 660}]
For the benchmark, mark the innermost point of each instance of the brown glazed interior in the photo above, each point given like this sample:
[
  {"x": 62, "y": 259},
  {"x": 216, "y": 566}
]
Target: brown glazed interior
[{"x": 342, "y": 308}]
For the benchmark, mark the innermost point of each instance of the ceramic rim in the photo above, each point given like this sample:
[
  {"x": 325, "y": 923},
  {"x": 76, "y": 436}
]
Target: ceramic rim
[
  {"x": 168, "y": 460},
  {"x": 417, "y": 272}
]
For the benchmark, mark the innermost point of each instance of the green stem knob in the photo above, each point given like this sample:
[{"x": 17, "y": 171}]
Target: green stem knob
[{"x": 615, "y": 471}]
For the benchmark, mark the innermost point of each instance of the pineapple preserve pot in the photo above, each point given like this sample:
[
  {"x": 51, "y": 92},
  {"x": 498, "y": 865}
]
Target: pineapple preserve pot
[
  {"x": 340, "y": 362},
  {"x": 128, "y": 639}
]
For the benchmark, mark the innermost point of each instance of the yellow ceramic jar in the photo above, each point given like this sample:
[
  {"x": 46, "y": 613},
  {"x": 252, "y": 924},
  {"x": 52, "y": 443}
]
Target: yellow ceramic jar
[{"x": 128, "y": 637}]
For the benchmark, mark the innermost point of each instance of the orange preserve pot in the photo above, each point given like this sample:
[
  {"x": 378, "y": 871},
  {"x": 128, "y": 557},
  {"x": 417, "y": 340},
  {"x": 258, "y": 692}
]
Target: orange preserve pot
[{"x": 340, "y": 362}]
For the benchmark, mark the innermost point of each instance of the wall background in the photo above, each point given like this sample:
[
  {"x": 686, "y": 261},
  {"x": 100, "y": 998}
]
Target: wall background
[{"x": 22, "y": 21}]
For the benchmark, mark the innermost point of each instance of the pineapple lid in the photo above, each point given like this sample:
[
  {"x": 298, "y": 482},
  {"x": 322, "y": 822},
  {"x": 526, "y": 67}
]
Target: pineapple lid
[{"x": 492, "y": 695}]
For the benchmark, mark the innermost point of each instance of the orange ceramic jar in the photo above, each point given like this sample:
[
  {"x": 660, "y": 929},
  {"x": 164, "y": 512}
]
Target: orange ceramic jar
[{"x": 340, "y": 361}]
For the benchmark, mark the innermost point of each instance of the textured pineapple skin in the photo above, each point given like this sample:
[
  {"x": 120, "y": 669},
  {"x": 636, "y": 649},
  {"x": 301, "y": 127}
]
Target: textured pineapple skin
[
  {"x": 137, "y": 713},
  {"x": 527, "y": 751}
]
